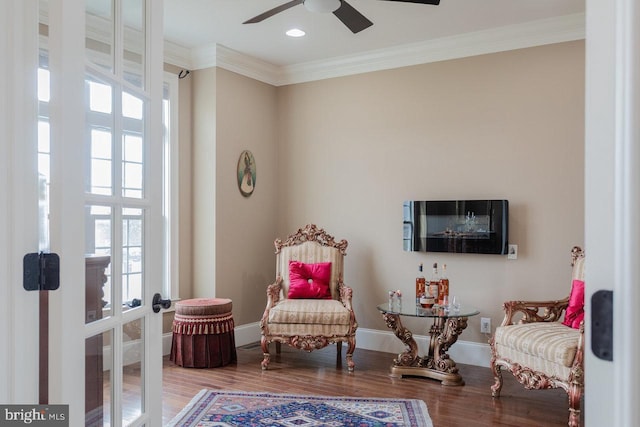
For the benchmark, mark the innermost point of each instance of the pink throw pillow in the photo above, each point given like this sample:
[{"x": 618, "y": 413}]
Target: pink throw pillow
[
  {"x": 309, "y": 281},
  {"x": 575, "y": 311}
]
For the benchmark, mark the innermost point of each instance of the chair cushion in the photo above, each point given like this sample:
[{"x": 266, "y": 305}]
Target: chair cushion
[
  {"x": 310, "y": 311},
  {"x": 309, "y": 280},
  {"x": 551, "y": 341},
  {"x": 534, "y": 363},
  {"x": 575, "y": 311}
]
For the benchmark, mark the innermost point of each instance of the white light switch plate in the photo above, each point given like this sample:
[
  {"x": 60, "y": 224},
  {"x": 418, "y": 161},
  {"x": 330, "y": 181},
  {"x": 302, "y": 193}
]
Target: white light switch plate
[{"x": 513, "y": 252}]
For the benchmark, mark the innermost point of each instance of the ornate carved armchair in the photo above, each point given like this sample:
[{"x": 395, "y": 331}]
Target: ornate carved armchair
[
  {"x": 539, "y": 349},
  {"x": 309, "y": 306}
]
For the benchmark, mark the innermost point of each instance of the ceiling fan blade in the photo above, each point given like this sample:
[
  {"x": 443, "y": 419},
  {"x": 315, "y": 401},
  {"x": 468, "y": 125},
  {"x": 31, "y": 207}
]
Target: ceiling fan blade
[
  {"x": 270, "y": 13},
  {"x": 433, "y": 2},
  {"x": 350, "y": 17}
]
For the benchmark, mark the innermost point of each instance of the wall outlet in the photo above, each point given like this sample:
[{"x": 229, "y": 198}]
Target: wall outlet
[
  {"x": 485, "y": 325},
  {"x": 513, "y": 252}
]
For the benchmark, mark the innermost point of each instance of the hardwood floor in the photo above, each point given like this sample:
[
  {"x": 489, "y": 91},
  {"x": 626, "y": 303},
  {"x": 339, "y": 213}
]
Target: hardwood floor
[{"x": 317, "y": 373}]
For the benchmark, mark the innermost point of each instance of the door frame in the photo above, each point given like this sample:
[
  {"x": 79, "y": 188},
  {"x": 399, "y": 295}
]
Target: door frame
[{"x": 612, "y": 203}]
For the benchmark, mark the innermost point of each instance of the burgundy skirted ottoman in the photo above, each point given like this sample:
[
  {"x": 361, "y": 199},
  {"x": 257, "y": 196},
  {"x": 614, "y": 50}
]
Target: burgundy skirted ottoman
[{"x": 203, "y": 334}]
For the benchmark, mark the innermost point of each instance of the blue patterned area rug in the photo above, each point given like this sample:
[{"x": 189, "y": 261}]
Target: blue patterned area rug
[{"x": 242, "y": 409}]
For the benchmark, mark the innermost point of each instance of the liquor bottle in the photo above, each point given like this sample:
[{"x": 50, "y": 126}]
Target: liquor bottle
[
  {"x": 443, "y": 291},
  {"x": 434, "y": 283},
  {"x": 427, "y": 300},
  {"x": 420, "y": 284}
]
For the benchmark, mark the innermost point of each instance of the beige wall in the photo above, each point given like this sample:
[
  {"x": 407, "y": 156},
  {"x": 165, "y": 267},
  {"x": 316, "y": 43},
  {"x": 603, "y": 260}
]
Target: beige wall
[
  {"x": 347, "y": 151},
  {"x": 185, "y": 188},
  {"x": 203, "y": 162},
  {"x": 233, "y": 235},
  {"x": 245, "y": 225}
]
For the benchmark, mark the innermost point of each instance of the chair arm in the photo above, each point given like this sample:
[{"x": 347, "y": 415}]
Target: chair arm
[
  {"x": 579, "y": 359},
  {"x": 345, "y": 293},
  {"x": 533, "y": 311},
  {"x": 273, "y": 292},
  {"x": 273, "y": 296},
  {"x": 345, "y": 298}
]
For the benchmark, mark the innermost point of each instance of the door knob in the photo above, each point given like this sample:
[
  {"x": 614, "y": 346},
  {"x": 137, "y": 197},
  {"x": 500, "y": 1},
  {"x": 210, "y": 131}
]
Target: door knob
[{"x": 158, "y": 303}]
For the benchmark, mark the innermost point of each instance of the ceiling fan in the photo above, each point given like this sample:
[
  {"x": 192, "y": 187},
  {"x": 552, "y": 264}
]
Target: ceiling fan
[{"x": 346, "y": 13}]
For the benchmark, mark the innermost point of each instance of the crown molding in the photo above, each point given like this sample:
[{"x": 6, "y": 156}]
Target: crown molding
[
  {"x": 248, "y": 66},
  {"x": 177, "y": 55},
  {"x": 536, "y": 33}
]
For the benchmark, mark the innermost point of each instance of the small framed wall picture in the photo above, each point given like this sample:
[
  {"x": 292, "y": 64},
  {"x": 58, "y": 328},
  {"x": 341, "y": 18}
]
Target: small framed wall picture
[{"x": 246, "y": 173}]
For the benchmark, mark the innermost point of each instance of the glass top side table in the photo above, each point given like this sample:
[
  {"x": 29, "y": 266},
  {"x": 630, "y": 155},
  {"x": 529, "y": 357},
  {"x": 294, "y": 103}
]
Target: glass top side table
[{"x": 444, "y": 332}]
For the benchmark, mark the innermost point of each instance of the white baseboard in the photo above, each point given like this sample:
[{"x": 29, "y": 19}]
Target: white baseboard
[
  {"x": 247, "y": 334},
  {"x": 167, "y": 339},
  {"x": 466, "y": 352}
]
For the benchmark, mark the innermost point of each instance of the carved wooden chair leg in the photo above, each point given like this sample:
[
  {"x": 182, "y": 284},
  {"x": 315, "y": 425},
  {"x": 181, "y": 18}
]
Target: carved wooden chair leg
[
  {"x": 574, "y": 405},
  {"x": 574, "y": 418},
  {"x": 497, "y": 374},
  {"x": 350, "y": 349},
  {"x": 265, "y": 353}
]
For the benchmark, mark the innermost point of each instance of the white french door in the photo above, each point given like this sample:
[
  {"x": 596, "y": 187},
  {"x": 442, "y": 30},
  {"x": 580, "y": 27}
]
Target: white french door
[{"x": 101, "y": 133}]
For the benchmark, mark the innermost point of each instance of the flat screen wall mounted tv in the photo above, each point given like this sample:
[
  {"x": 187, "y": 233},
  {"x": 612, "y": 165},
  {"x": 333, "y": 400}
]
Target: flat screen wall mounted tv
[{"x": 458, "y": 226}]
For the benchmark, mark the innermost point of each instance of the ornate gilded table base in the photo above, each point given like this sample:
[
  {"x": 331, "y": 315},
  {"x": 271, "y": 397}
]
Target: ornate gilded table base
[{"x": 437, "y": 364}]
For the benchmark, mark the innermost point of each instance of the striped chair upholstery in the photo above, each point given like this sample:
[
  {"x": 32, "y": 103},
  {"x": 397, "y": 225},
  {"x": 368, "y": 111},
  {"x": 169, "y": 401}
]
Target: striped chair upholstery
[
  {"x": 309, "y": 324},
  {"x": 538, "y": 349}
]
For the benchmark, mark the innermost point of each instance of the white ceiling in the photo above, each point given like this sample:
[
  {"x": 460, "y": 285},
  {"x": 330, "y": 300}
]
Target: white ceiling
[{"x": 205, "y": 24}]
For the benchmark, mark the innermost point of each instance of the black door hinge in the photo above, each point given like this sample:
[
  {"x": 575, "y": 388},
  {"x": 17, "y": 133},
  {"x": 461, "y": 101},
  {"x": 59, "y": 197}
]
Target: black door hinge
[
  {"x": 602, "y": 324},
  {"x": 41, "y": 272}
]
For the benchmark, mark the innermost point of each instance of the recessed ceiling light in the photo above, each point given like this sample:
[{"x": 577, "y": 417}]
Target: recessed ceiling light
[{"x": 295, "y": 32}]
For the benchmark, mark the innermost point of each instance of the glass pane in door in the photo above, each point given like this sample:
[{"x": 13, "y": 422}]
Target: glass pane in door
[
  {"x": 44, "y": 180},
  {"x": 100, "y": 118},
  {"x": 44, "y": 138},
  {"x": 100, "y": 33},
  {"x": 132, "y": 254},
  {"x": 98, "y": 379},
  {"x": 133, "y": 140},
  {"x": 98, "y": 289},
  {"x": 133, "y": 370},
  {"x": 134, "y": 42}
]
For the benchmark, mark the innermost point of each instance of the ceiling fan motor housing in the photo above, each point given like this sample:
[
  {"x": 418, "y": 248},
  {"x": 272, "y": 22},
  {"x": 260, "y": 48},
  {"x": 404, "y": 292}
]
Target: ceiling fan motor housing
[{"x": 322, "y": 6}]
